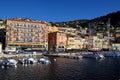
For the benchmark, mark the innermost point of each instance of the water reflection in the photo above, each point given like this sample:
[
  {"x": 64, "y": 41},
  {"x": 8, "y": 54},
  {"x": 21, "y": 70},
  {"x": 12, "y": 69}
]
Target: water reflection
[{"x": 65, "y": 69}]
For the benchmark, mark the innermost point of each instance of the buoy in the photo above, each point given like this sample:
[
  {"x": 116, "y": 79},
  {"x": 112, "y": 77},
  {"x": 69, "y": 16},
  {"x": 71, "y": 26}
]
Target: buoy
[
  {"x": 2, "y": 66},
  {"x": 54, "y": 59}
]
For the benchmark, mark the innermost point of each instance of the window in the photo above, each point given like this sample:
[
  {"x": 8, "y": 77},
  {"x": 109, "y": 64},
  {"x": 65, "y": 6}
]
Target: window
[
  {"x": 17, "y": 24},
  {"x": 44, "y": 27},
  {"x": 36, "y": 40},
  {"x": 9, "y": 34},
  {"x": 39, "y": 30},
  {"x": 17, "y": 39},
  {"x": 29, "y": 25},
  {"x": 10, "y": 29},
  {"x": 9, "y": 39},
  {"x": 10, "y": 24},
  {"x": 16, "y": 34},
  {"x": 35, "y": 26},
  {"x": 29, "y": 40},
  {"x": 24, "y": 25},
  {"x": 26, "y": 40},
  {"x": 17, "y": 29}
]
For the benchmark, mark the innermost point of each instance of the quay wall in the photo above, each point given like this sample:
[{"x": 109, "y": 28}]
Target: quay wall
[{"x": 18, "y": 55}]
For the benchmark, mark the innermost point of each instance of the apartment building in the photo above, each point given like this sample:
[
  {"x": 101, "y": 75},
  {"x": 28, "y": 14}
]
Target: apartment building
[
  {"x": 95, "y": 43},
  {"x": 71, "y": 31},
  {"x": 57, "y": 41},
  {"x": 74, "y": 43},
  {"x": 26, "y": 34}
]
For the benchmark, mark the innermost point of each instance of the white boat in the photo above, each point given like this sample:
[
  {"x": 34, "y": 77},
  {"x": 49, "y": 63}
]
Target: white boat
[
  {"x": 32, "y": 60},
  {"x": 44, "y": 61},
  {"x": 27, "y": 61},
  {"x": 8, "y": 63}
]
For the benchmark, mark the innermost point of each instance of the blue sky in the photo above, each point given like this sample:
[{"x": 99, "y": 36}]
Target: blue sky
[{"x": 57, "y": 10}]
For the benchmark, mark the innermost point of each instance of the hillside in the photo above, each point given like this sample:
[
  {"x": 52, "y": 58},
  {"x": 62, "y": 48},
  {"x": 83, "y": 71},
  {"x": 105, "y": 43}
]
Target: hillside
[
  {"x": 114, "y": 19},
  {"x": 74, "y": 24}
]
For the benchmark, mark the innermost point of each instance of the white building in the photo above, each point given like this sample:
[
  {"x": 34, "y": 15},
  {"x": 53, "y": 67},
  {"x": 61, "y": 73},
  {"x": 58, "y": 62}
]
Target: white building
[{"x": 0, "y": 47}]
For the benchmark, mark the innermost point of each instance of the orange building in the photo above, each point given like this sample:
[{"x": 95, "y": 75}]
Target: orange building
[
  {"x": 25, "y": 34},
  {"x": 50, "y": 29},
  {"x": 57, "y": 41}
]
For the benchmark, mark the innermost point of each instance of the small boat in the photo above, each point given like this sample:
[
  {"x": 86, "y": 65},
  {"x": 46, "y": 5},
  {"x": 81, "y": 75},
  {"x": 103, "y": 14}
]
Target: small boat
[
  {"x": 44, "y": 61},
  {"x": 92, "y": 55},
  {"x": 27, "y": 61},
  {"x": 8, "y": 63}
]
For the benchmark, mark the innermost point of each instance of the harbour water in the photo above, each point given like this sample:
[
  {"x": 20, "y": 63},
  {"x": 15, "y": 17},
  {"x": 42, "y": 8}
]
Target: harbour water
[{"x": 66, "y": 69}]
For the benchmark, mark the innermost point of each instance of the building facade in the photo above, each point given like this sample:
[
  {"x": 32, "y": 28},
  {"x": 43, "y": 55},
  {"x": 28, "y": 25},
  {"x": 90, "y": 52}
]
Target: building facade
[
  {"x": 95, "y": 43},
  {"x": 26, "y": 34},
  {"x": 66, "y": 30},
  {"x": 57, "y": 41},
  {"x": 0, "y": 47},
  {"x": 74, "y": 43}
]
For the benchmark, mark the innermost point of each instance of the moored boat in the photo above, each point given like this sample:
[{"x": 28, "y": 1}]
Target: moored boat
[
  {"x": 92, "y": 55},
  {"x": 27, "y": 61},
  {"x": 44, "y": 61},
  {"x": 8, "y": 63},
  {"x": 111, "y": 54}
]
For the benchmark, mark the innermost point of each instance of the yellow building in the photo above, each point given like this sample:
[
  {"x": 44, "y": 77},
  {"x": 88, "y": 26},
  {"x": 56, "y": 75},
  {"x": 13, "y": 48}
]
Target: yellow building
[
  {"x": 2, "y": 26},
  {"x": 74, "y": 43},
  {"x": 95, "y": 42},
  {"x": 70, "y": 43},
  {"x": 105, "y": 43}
]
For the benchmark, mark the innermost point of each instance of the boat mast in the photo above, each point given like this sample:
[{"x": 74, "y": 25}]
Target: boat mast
[
  {"x": 108, "y": 28},
  {"x": 89, "y": 35}
]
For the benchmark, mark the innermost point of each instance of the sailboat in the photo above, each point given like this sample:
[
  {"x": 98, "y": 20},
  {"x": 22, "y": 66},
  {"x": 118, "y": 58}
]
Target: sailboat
[
  {"x": 91, "y": 47},
  {"x": 110, "y": 53},
  {"x": 94, "y": 52}
]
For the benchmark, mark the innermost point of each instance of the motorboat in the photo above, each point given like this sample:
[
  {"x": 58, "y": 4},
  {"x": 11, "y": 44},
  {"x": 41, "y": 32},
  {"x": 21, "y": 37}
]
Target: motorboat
[
  {"x": 27, "y": 61},
  {"x": 43, "y": 61},
  {"x": 8, "y": 63}
]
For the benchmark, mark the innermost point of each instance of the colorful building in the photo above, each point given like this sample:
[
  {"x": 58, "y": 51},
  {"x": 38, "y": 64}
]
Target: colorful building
[
  {"x": 57, "y": 41},
  {"x": 71, "y": 31},
  {"x": 26, "y": 34},
  {"x": 74, "y": 43},
  {"x": 95, "y": 43}
]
